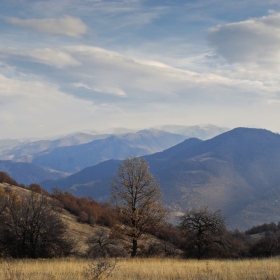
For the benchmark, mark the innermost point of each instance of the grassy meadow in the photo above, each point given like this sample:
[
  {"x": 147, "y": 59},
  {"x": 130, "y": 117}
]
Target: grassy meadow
[{"x": 142, "y": 269}]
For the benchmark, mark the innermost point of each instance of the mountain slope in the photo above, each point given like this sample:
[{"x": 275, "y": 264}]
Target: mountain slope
[
  {"x": 234, "y": 172},
  {"x": 28, "y": 173},
  {"x": 228, "y": 172},
  {"x": 203, "y": 132},
  {"x": 94, "y": 180},
  {"x": 74, "y": 158},
  {"x": 25, "y": 151}
]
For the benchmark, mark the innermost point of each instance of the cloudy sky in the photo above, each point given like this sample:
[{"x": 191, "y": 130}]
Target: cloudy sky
[{"x": 73, "y": 65}]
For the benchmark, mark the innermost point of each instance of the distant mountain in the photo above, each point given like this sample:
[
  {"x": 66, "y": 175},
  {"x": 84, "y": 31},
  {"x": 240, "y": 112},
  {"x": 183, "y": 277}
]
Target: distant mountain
[
  {"x": 9, "y": 144},
  {"x": 237, "y": 172},
  {"x": 114, "y": 130},
  {"x": 74, "y": 158},
  {"x": 94, "y": 181},
  {"x": 28, "y": 173},
  {"x": 24, "y": 151},
  {"x": 203, "y": 132}
]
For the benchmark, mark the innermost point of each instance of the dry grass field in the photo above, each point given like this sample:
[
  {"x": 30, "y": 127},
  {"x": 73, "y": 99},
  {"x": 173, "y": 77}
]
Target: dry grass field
[{"x": 143, "y": 269}]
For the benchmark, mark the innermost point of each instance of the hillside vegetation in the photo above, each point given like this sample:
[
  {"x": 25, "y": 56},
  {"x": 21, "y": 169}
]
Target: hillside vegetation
[{"x": 88, "y": 229}]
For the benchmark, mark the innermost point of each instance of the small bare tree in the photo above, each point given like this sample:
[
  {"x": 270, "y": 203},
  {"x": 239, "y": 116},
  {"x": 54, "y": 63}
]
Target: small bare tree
[
  {"x": 100, "y": 268},
  {"x": 136, "y": 196},
  {"x": 101, "y": 244},
  {"x": 203, "y": 230}
]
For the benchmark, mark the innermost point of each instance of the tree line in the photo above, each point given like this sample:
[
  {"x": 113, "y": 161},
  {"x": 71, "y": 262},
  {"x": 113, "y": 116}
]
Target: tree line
[{"x": 134, "y": 223}]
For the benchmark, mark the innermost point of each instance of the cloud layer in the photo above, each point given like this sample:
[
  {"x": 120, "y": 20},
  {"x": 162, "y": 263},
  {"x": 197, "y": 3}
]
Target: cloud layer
[
  {"x": 67, "y": 26},
  {"x": 137, "y": 64},
  {"x": 100, "y": 73}
]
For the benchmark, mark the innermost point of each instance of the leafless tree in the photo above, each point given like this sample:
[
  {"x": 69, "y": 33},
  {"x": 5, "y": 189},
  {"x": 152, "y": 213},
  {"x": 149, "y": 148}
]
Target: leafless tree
[
  {"x": 100, "y": 268},
  {"x": 136, "y": 196},
  {"x": 102, "y": 244},
  {"x": 32, "y": 227},
  {"x": 203, "y": 230}
]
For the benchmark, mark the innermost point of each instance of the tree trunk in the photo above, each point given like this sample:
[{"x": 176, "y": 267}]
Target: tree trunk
[{"x": 134, "y": 248}]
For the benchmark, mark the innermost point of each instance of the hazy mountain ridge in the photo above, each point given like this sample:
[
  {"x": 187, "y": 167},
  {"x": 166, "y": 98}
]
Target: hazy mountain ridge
[
  {"x": 74, "y": 158},
  {"x": 25, "y": 151},
  {"x": 203, "y": 132},
  {"x": 234, "y": 172}
]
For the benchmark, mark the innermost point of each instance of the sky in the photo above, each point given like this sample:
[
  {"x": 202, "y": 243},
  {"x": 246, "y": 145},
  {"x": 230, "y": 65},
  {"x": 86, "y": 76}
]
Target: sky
[{"x": 78, "y": 65}]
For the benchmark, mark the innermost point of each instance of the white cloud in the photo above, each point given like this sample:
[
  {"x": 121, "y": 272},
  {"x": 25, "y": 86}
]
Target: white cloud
[
  {"x": 105, "y": 89},
  {"x": 254, "y": 42},
  {"x": 41, "y": 109},
  {"x": 68, "y": 26},
  {"x": 95, "y": 86},
  {"x": 101, "y": 72},
  {"x": 48, "y": 56}
]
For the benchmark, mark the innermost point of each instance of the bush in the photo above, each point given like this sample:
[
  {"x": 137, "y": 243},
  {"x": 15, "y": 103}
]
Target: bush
[{"x": 5, "y": 178}]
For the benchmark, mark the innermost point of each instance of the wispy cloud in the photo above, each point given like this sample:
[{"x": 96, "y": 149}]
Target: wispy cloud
[
  {"x": 48, "y": 56},
  {"x": 137, "y": 63},
  {"x": 255, "y": 41},
  {"x": 92, "y": 73},
  {"x": 40, "y": 108},
  {"x": 67, "y": 26}
]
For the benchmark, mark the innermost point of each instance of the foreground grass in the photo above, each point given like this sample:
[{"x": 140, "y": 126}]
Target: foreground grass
[{"x": 143, "y": 269}]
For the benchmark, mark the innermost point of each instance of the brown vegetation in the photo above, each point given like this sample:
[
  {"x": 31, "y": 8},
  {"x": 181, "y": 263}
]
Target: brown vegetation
[
  {"x": 86, "y": 209},
  {"x": 5, "y": 178},
  {"x": 36, "y": 224},
  {"x": 31, "y": 227}
]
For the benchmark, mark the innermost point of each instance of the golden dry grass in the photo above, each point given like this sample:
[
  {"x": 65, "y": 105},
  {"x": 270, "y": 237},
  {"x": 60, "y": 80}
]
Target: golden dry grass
[{"x": 144, "y": 269}]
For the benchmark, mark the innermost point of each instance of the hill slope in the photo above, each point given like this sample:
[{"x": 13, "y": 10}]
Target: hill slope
[
  {"x": 236, "y": 172},
  {"x": 94, "y": 180},
  {"x": 28, "y": 173}
]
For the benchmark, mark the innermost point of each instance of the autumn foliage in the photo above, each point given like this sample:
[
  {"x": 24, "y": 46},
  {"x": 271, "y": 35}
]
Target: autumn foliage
[
  {"x": 5, "y": 178},
  {"x": 86, "y": 209}
]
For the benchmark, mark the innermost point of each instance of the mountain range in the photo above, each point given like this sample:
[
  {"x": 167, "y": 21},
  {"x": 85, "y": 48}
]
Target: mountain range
[
  {"x": 236, "y": 172},
  {"x": 74, "y": 158},
  {"x": 25, "y": 151}
]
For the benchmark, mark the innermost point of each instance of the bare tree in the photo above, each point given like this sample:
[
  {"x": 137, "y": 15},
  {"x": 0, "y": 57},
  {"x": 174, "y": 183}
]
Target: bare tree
[
  {"x": 102, "y": 244},
  {"x": 137, "y": 198},
  {"x": 203, "y": 230},
  {"x": 100, "y": 268},
  {"x": 32, "y": 227}
]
